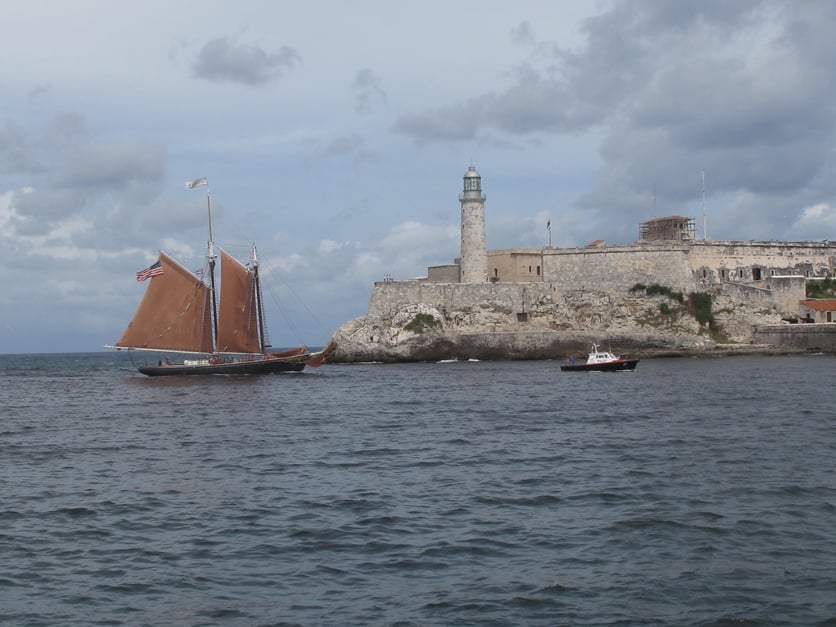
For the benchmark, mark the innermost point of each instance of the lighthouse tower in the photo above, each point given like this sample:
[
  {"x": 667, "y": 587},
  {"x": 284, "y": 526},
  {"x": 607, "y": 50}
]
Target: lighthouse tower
[{"x": 474, "y": 255}]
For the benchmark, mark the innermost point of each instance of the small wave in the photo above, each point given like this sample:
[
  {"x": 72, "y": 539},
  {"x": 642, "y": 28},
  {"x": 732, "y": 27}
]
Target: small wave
[
  {"x": 75, "y": 512},
  {"x": 523, "y": 501}
]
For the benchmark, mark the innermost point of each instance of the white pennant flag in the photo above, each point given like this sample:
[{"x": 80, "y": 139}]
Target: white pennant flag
[{"x": 196, "y": 183}]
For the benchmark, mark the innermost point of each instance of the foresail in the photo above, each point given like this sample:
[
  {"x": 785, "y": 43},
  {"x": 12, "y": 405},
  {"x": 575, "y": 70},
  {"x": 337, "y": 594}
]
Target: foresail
[
  {"x": 175, "y": 313},
  {"x": 237, "y": 312}
]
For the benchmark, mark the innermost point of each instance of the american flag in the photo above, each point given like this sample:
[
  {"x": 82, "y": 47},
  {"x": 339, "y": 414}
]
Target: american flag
[{"x": 155, "y": 269}]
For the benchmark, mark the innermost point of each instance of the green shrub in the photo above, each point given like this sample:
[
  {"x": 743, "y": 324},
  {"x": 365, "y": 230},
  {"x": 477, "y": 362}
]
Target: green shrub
[
  {"x": 638, "y": 287},
  {"x": 421, "y": 322},
  {"x": 663, "y": 290},
  {"x": 699, "y": 304},
  {"x": 821, "y": 289},
  {"x": 665, "y": 309}
]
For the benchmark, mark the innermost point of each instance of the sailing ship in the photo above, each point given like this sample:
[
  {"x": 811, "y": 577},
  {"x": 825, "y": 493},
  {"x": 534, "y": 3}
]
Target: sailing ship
[{"x": 180, "y": 313}]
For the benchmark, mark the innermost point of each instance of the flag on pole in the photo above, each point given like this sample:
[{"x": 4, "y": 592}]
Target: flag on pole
[
  {"x": 549, "y": 225},
  {"x": 199, "y": 272},
  {"x": 155, "y": 269},
  {"x": 196, "y": 183}
]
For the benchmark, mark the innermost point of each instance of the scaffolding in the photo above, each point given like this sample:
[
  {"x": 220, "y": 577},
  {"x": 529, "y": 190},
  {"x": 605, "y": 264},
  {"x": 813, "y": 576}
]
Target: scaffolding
[{"x": 676, "y": 228}]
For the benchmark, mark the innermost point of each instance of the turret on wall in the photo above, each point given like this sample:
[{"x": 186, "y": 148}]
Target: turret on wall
[{"x": 474, "y": 252}]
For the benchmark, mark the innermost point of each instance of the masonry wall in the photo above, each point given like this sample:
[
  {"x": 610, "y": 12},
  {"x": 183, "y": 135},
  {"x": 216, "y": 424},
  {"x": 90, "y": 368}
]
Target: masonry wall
[
  {"x": 444, "y": 274},
  {"x": 783, "y": 294},
  {"x": 618, "y": 268},
  {"x": 811, "y": 337},
  {"x": 687, "y": 267},
  {"x": 514, "y": 298},
  {"x": 715, "y": 262},
  {"x": 787, "y": 292},
  {"x": 515, "y": 265}
]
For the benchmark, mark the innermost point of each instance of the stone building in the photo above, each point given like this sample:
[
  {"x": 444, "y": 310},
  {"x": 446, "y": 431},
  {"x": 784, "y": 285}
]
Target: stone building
[
  {"x": 818, "y": 310},
  {"x": 666, "y": 253}
]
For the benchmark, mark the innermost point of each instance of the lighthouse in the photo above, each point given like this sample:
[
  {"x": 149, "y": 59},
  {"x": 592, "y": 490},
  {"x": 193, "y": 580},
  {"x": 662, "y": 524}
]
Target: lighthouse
[{"x": 474, "y": 254}]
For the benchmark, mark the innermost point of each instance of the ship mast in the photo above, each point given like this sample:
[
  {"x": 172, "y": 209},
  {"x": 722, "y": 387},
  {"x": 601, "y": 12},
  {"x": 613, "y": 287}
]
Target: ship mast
[
  {"x": 211, "y": 257},
  {"x": 259, "y": 305}
]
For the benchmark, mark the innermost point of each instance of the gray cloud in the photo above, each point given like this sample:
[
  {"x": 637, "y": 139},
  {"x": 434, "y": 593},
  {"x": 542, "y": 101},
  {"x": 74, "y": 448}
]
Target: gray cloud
[
  {"x": 367, "y": 90},
  {"x": 17, "y": 152},
  {"x": 452, "y": 123},
  {"x": 222, "y": 60},
  {"x": 108, "y": 185},
  {"x": 124, "y": 168},
  {"x": 741, "y": 90},
  {"x": 522, "y": 34}
]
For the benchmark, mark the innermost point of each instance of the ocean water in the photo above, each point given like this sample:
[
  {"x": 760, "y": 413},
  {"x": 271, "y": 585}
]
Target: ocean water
[{"x": 689, "y": 492}]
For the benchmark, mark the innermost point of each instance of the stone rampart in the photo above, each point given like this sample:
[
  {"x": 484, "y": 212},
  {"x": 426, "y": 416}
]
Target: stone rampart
[
  {"x": 618, "y": 268},
  {"x": 748, "y": 261},
  {"x": 390, "y": 297},
  {"x": 810, "y": 337}
]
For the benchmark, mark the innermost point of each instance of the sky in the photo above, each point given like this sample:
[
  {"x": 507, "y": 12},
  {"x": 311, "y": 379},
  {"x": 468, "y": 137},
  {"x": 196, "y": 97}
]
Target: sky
[{"x": 335, "y": 136}]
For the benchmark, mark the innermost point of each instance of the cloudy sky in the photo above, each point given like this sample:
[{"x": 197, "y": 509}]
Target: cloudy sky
[{"x": 335, "y": 135}]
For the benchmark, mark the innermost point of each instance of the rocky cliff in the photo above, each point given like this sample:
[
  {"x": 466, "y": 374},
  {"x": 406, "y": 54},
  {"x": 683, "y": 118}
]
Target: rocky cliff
[{"x": 410, "y": 321}]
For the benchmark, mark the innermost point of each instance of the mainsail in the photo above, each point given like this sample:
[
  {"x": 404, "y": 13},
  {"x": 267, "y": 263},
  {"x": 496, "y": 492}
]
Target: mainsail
[
  {"x": 175, "y": 313},
  {"x": 238, "y": 330}
]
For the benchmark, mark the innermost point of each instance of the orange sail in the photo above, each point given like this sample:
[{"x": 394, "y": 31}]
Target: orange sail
[
  {"x": 174, "y": 314},
  {"x": 237, "y": 313}
]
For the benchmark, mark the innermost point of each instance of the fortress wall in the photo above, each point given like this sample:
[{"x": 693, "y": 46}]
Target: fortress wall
[
  {"x": 389, "y": 296},
  {"x": 448, "y": 273},
  {"x": 773, "y": 258},
  {"x": 515, "y": 265},
  {"x": 618, "y": 268},
  {"x": 685, "y": 267},
  {"x": 785, "y": 299},
  {"x": 788, "y": 292},
  {"x": 811, "y": 337}
]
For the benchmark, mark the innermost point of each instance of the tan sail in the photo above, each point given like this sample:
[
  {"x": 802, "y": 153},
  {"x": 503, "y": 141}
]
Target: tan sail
[
  {"x": 237, "y": 312},
  {"x": 174, "y": 314}
]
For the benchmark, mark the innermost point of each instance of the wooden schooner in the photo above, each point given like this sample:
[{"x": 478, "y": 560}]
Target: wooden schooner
[{"x": 181, "y": 314}]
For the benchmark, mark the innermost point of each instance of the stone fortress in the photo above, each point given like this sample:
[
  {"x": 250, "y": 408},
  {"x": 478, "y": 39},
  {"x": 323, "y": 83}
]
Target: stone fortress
[{"x": 666, "y": 292}]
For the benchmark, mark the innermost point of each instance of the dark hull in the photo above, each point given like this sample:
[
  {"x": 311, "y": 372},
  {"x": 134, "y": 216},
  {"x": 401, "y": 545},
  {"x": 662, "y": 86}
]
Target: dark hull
[
  {"x": 610, "y": 366},
  {"x": 255, "y": 366}
]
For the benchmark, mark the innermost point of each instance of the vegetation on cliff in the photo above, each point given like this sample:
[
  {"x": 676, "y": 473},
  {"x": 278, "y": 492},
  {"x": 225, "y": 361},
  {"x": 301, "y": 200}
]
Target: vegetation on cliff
[
  {"x": 654, "y": 289},
  {"x": 698, "y": 304},
  {"x": 421, "y": 322}
]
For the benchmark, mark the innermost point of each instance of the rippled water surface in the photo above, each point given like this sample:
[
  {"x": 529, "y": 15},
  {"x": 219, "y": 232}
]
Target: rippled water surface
[{"x": 691, "y": 491}]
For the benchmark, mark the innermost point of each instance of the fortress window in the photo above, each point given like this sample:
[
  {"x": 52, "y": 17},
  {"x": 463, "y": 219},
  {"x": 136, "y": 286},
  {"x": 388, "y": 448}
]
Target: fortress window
[
  {"x": 538, "y": 270},
  {"x": 529, "y": 269},
  {"x": 756, "y": 274}
]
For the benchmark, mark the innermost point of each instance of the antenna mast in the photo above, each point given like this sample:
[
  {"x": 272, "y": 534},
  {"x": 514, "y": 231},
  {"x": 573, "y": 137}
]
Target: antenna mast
[{"x": 704, "y": 232}]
